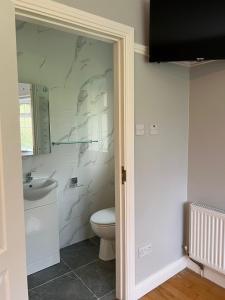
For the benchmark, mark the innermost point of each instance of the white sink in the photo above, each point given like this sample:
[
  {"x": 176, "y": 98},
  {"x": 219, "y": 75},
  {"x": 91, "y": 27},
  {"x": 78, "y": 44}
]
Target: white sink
[{"x": 38, "y": 188}]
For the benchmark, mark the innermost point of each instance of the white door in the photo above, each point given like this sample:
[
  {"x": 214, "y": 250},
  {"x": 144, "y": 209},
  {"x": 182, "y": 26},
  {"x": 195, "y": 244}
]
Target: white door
[{"x": 13, "y": 284}]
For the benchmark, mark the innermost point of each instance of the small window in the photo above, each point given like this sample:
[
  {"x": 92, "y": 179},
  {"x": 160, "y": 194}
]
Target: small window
[{"x": 26, "y": 124}]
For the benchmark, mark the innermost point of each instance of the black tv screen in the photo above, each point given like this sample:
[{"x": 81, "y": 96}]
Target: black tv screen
[{"x": 187, "y": 30}]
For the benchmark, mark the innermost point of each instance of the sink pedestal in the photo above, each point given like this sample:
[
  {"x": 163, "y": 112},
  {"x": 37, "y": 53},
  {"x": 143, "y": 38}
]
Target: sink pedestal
[{"x": 42, "y": 233}]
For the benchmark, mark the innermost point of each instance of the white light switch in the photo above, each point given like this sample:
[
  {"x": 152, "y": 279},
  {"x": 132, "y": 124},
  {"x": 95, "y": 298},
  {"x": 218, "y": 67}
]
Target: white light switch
[
  {"x": 140, "y": 129},
  {"x": 154, "y": 128}
]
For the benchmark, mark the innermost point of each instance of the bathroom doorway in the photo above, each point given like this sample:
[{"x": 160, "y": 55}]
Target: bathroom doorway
[
  {"x": 66, "y": 99},
  {"x": 57, "y": 16}
]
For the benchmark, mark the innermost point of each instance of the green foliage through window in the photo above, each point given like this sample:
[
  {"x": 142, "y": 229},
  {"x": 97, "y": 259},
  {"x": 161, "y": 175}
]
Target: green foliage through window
[{"x": 26, "y": 130}]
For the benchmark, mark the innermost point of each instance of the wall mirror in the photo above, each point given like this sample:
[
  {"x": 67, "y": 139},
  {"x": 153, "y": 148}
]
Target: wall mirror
[{"x": 34, "y": 119}]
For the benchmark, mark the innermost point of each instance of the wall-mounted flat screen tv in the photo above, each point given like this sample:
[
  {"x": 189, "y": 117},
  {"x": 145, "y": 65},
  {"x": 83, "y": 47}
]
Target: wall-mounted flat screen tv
[{"x": 187, "y": 30}]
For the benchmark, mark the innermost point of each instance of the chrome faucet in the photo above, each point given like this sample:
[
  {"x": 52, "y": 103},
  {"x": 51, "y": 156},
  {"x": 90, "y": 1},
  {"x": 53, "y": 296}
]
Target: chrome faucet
[{"x": 28, "y": 177}]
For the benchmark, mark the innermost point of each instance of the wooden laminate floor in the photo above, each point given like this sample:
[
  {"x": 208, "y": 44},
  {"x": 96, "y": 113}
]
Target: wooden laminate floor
[{"x": 187, "y": 285}]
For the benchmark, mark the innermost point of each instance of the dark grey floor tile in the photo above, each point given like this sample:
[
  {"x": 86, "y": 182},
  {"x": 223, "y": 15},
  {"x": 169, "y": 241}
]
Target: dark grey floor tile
[
  {"x": 95, "y": 240},
  {"x": 80, "y": 254},
  {"x": 67, "y": 287},
  {"x": 33, "y": 296},
  {"x": 99, "y": 276},
  {"x": 47, "y": 274},
  {"x": 109, "y": 296}
]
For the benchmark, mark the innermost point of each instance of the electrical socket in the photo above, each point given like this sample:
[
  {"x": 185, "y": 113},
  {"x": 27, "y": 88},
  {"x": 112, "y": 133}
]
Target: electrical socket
[{"x": 146, "y": 250}]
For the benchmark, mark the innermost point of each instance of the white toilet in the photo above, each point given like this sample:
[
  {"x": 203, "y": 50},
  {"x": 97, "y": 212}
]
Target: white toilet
[{"x": 103, "y": 224}]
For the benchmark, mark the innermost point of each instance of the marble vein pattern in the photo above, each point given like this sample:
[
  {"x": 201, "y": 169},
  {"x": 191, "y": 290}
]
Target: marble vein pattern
[{"x": 78, "y": 72}]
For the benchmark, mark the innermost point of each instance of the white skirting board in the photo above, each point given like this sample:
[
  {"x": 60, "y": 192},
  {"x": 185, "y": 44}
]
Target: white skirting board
[
  {"x": 208, "y": 273},
  {"x": 172, "y": 269},
  {"x": 160, "y": 277}
]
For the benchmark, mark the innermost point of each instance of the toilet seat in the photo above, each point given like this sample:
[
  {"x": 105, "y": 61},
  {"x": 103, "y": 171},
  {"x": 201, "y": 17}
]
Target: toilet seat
[{"x": 104, "y": 217}]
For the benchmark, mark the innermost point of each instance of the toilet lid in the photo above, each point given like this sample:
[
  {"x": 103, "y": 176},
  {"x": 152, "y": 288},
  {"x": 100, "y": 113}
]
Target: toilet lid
[{"x": 104, "y": 216}]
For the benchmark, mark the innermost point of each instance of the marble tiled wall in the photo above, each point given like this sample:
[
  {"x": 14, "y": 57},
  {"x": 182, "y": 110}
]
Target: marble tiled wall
[{"x": 78, "y": 72}]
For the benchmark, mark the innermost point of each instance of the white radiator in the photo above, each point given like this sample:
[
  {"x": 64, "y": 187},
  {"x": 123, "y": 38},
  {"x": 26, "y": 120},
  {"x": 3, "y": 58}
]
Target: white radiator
[{"x": 207, "y": 236}]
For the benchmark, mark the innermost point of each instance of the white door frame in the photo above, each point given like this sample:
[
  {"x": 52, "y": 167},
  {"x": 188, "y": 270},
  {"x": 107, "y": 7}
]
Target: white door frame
[{"x": 70, "y": 19}]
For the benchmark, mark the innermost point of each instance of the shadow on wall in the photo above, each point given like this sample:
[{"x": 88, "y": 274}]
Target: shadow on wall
[
  {"x": 208, "y": 69},
  {"x": 186, "y": 209},
  {"x": 145, "y": 21}
]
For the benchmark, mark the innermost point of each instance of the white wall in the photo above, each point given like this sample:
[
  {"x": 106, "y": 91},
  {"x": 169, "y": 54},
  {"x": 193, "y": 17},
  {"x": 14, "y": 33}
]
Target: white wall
[
  {"x": 206, "y": 176},
  {"x": 134, "y": 13},
  {"x": 78, "y": 73},
  {"x": 160, "y": 163}
]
